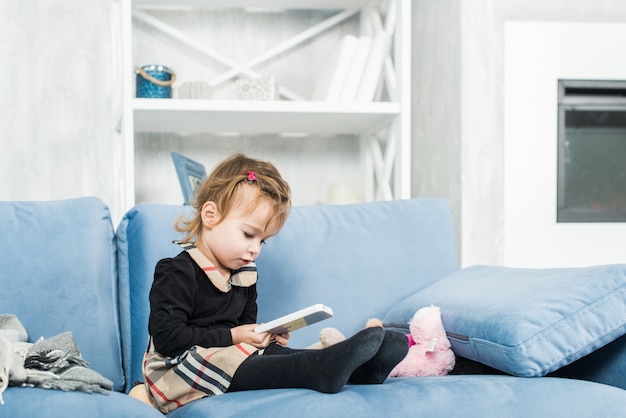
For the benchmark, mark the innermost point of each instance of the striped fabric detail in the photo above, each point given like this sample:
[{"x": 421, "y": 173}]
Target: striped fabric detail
[
  {"x": 197, "y": 373},
  {"x": 243, "y": 277},
  {"x": 200, "y": 374}
]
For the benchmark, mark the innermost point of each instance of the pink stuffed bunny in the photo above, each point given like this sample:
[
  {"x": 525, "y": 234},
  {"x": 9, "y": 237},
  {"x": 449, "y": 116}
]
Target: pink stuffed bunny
[{"x": 430, "y": 352}]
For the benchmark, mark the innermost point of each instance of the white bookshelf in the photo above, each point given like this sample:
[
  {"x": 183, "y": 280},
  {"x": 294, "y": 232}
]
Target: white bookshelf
[{"x": 383, "y": 126}]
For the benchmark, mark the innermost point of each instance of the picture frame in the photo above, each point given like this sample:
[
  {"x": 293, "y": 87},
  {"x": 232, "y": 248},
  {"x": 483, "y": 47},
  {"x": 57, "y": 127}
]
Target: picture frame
[{"x": 190, "y": 174}]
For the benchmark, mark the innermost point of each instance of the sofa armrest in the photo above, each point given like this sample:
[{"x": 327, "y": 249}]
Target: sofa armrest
[{"x": 58, "y": 273}]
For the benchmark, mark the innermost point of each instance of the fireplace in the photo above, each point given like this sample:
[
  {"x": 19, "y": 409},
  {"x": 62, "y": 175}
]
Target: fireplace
[
  {"x": 548, "y": 172},
  {"x": 591, "y": 177}
]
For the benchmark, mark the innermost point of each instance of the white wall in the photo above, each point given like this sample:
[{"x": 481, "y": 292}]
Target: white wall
[
  {"x": 56, "y": 114},
  {"x": 537, "y": 55}
]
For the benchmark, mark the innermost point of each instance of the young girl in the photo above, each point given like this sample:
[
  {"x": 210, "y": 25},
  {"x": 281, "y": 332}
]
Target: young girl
[{"x": 203, "y": 304}]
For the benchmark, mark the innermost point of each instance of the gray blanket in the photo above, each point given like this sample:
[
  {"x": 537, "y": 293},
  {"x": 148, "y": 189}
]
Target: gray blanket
[{"x": 53, "y": 363}]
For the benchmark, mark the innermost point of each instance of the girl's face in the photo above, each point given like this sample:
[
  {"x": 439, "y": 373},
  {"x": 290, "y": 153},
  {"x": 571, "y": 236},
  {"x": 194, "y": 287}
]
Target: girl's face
[{"x": 236, "y": 240}]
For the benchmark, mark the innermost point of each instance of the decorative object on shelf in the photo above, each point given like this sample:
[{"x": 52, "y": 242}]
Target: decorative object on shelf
[
  {"x": 190, "y": 173},
  {"x": 194, "y": 90},
  {"x": 155, "y": 82},
  {"x": 262, "y": 88}
]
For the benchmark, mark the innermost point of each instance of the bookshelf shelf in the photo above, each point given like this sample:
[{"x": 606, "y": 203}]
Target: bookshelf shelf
[
  {"x": 262, "y": 4},
  {"x": 382, "y": 124},
  {"x": 218, "y": 116}
]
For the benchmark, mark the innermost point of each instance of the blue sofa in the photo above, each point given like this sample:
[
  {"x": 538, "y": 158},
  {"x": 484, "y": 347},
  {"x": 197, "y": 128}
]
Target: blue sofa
[{"x": 529, "y": 342}]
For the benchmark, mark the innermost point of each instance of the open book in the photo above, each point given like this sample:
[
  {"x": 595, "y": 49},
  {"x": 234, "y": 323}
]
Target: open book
[{"x": 296, "y": 320}]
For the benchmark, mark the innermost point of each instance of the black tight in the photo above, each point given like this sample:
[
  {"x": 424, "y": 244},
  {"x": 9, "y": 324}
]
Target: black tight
[{"x": 367, "y": 357}]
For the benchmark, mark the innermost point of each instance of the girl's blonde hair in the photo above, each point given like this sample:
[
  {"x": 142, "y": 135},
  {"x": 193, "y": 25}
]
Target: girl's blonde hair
[{"x": 222, "y": 186}]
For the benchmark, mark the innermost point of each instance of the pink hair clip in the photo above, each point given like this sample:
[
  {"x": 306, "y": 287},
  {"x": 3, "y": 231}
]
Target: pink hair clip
[{"x": 251, "y": 176}]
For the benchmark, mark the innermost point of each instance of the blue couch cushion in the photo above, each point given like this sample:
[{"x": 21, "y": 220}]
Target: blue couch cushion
[
  {"x": 48, "y": 403},
  {"x": 443, "y": 396},
  {"x": 526, "y": 322},
  {"x": 605, "y": 365},
  {"x": 58, "y": 273}
]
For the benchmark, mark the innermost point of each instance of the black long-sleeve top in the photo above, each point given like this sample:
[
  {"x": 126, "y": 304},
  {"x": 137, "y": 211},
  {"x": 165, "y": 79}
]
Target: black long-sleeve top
[{"x": 186, "y": 309}]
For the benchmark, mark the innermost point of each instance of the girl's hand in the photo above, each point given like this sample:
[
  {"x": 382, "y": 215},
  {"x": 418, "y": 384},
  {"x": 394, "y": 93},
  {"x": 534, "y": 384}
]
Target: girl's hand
[
  {"x": 246, "y": 334},
  {"x": 281, "y": 339}
]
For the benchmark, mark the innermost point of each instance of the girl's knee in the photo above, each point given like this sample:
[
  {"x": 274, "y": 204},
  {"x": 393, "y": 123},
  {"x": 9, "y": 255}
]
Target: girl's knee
[{"x": 139, "y": 392}]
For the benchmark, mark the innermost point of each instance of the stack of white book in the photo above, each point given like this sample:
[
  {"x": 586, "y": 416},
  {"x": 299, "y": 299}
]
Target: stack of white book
[{"x": 354, "y": 69}]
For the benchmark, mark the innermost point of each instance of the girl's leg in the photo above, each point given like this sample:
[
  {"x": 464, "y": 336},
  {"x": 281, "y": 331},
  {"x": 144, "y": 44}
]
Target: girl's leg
[
  {"x": 141, "y": 393},
  {"x": 325, "y": 370},
  {"x": 392, "y": 351}
]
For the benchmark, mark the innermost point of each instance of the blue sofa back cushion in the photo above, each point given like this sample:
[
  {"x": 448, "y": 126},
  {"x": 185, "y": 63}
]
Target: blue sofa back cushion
[
  {"x": 339, "y": 255},
  {"x": 144, "y": 236},
  {"x": 527, "y": 322},
  {"x": 58, "y": 263},
  {"x": 335, "y": 255}
]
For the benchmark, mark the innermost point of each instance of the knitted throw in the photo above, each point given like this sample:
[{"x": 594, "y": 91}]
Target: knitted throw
[{"x": 53, "y": 363}]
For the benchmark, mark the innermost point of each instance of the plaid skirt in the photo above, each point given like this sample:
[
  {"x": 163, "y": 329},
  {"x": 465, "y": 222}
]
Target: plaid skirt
[{"x": 199, "y": 372}]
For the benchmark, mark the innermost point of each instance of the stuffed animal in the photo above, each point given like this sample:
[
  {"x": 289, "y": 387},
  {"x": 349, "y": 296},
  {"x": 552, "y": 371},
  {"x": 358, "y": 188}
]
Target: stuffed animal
[
  {"x": 328, "y": 337},
  {"x": 430, "y": 352}
]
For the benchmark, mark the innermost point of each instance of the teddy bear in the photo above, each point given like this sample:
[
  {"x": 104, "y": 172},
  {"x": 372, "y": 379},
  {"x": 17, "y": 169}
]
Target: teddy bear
[
  {"x": 328, "y": 337},
  {"x": 430, "y": 352}
]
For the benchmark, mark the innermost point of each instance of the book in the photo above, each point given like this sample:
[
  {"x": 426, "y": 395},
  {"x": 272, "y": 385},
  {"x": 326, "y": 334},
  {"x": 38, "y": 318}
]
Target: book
[
  {"x": 374, "y": 67},
  {"x": 357, "y": 66},
  {"x": 331, "y": 80},
  {"x": 296, "y": 320}
]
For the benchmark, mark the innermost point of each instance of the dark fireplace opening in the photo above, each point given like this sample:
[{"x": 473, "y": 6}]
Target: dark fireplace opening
[{"x": 592, "y": 151}]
